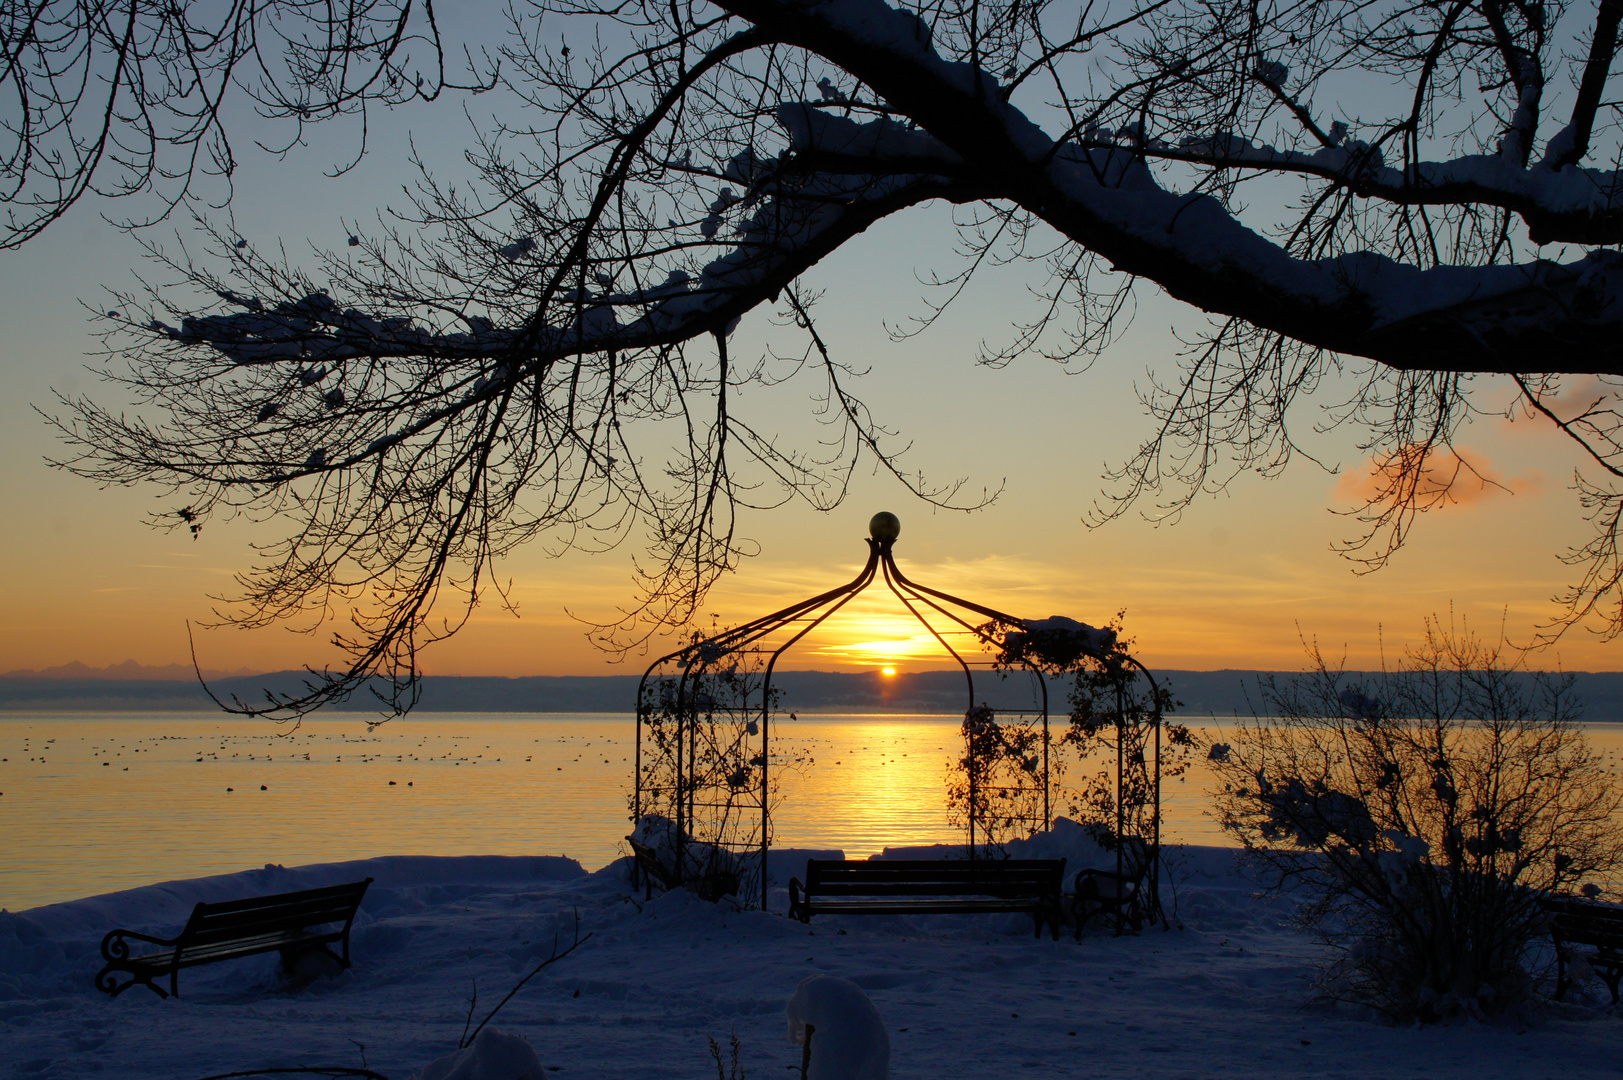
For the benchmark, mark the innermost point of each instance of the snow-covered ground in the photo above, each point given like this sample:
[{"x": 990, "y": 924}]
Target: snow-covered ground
[{"x": 1221, "y": 994}]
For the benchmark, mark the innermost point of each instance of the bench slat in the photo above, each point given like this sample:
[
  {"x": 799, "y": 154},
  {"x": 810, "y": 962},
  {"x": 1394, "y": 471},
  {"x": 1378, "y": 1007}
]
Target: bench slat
[
  {"x": 225, "y": 907},
  {"x": 934, "y": 867},
  {"x": 943, "y": 888},
  {"x": 922, "y": 878},
  {"x": 930, "y": 886},
  {"x": 208, "y": 930},
  {"x": 923, "y": 905},
  {"x": 249, "y": 946}
]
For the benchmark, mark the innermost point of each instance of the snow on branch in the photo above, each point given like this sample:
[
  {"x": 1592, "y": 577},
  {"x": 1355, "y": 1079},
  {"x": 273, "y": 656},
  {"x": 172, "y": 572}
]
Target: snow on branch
[{"x": 1496, "y": 318}]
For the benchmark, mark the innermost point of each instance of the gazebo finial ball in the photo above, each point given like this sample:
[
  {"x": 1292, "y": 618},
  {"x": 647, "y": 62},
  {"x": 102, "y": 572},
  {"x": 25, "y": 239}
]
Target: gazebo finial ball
[{"x": 885, "y": 526}]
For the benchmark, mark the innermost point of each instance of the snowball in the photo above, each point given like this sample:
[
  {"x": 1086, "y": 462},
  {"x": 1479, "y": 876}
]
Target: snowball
[
  {"x": 849, "y": 1041},
  {"x": 1271, "y": 72},
  {"x": 517, "y": 249},
  {"x": 1056, "y": 632},
  {"x": 494, "y": 1055}
]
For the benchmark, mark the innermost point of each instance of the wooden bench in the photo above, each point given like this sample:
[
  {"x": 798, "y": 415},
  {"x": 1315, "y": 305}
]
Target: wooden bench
[
  {"x": 930, "y": 886},
  {"x": 1578, "y": 924},
  {"x": 289, "y": 923}
]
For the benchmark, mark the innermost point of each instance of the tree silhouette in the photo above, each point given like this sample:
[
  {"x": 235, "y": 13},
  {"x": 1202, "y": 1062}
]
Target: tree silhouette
[{"x": 1419, "y": 197}]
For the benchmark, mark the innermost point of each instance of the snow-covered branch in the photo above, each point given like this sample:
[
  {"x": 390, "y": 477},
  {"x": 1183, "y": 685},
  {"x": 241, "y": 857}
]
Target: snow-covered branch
[{"x": 1537, "y": 315}]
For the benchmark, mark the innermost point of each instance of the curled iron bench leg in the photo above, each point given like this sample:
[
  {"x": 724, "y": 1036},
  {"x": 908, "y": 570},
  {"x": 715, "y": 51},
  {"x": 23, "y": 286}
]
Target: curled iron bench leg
[{"x": 107, "y": 982}]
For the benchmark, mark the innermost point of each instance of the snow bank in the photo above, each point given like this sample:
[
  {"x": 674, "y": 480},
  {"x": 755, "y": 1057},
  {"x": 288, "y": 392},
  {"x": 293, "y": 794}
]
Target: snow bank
[
  {"x": 1065, "y": 839},
  {"x": 169, "y": 903},
  {"x": 1220, "y": 994},
  {"x": 54, "y": 945}
]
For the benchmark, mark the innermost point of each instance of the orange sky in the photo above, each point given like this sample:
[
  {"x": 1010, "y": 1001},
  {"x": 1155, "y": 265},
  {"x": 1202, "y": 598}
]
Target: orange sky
[{"x": 1235, "y": 583}]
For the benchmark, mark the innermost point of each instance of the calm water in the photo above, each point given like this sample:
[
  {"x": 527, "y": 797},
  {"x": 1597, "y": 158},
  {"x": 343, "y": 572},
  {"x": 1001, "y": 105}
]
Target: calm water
[{"x": 89, "y": 805}]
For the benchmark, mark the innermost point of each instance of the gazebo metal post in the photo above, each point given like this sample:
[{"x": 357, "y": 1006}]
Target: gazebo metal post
[
  {"x": 699, "y": 655},
  {"x": 766, "y": 695},
  {"x": 969, "y": 676},
  {"x": 1048, "y": 816},
  {"x": 894, "y": 578},
  {"x": 1121, "y": 810}
]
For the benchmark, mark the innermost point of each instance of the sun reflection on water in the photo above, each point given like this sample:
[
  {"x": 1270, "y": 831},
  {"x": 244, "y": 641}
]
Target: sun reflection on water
[{"x": 92, "y": 805}]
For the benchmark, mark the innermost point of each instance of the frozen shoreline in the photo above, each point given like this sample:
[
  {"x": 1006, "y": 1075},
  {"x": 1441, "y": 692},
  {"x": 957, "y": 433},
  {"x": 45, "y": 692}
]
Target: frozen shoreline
[{"x": 962, "y": 996}]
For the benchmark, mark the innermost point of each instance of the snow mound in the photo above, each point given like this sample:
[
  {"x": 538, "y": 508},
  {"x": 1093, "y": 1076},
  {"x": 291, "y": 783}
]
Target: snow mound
[
  {"x": 494, "y": 1055},
  {"x": 849, "y": 1041},
  {"x": 1065, "y": 839},
  {"x": 660, "y": 834}
]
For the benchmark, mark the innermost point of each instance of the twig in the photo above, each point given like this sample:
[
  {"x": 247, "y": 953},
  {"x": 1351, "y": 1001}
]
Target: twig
[
  {"x": 556, "y": 956},
  {"x": 722, "y": 1073},
  {"x": 473, "y": 999}
]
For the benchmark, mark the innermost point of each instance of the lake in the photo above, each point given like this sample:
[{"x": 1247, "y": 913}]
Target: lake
[{"x": 90, "y": 804}]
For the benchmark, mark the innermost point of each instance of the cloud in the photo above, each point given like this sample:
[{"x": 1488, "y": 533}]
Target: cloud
[
  {"x": 1446, "y": 477},
  {"x": 1569, "y": 397}
]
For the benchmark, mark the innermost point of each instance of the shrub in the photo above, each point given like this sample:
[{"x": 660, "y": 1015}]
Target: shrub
[{"x": 1424, "y": 811}]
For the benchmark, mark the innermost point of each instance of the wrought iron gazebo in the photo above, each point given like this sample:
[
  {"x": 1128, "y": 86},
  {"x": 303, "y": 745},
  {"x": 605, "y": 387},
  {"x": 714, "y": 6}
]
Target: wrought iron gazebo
[{"x": 705, "y": 725}]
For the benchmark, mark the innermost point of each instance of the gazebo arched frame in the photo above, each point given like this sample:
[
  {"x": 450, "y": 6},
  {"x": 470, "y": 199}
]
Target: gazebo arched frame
[{"x": 679, "y": 773}]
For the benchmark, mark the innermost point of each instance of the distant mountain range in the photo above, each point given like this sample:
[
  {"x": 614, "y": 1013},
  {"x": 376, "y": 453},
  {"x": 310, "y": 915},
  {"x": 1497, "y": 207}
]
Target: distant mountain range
[
  {"x": 128, "y": 671},
  {"x": 1201, "y": 693}
]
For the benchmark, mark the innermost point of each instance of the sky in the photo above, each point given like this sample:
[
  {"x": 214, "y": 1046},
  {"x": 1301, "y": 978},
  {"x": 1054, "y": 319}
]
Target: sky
[{"x": 1242, "y": 579}]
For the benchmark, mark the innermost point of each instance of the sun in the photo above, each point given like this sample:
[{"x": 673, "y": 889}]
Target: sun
[{"x": 887, "y": 670}]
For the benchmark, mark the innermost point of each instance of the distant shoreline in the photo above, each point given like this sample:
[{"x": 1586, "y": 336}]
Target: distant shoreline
[{"x": 1218, "y": 694}]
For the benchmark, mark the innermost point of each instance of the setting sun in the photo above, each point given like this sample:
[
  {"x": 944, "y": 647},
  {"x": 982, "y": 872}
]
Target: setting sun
[{"x": 887, "y": 670}]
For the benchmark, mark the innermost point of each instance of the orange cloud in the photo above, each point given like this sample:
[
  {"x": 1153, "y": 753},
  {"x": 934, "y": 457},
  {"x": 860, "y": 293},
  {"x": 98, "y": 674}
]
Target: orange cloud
[
  {"x": 1570, "y": 397},
  {"x": 1444, "y": 477}
]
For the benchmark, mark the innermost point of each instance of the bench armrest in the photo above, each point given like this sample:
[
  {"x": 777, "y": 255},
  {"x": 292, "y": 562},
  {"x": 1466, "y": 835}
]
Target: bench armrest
[{"x": 115, "y": 947}]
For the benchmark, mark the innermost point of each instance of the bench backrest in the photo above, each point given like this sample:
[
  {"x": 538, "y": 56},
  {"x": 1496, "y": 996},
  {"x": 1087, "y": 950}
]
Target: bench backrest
[
  {"x": 235, "y": 919},
  {"x": 1590, "y": 924},
  {"x": 939, "y": 877}
]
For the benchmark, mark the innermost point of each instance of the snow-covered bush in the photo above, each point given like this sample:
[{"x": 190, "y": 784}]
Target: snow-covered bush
[
  {"x": 848, "y": 1037},
  {"x": 493, "y": 1055},
  {"x": 1425, "y": 811}
]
